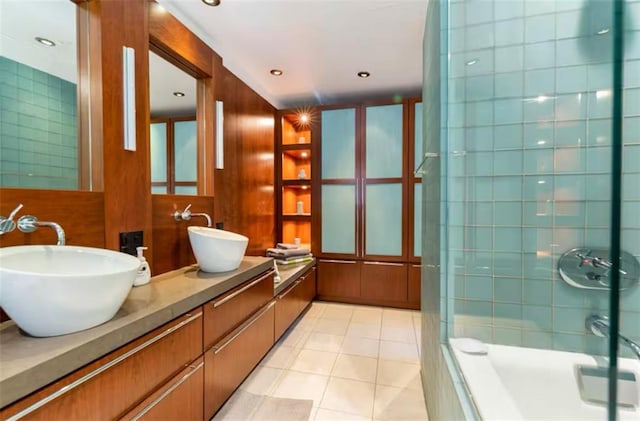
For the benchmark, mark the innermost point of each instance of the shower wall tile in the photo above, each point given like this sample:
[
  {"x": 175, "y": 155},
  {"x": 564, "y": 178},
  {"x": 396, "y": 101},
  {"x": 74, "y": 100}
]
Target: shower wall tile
[
  {"x": 540, "y": 55},
  {"x": 631, "y": 130},
  {"x": 508, "y": 289},
  {"x": 539, "y": 82},
  {"x": 507, "y": 213},
  {"x": 508, "y": 136},
  {"x": 632, "y": 73},
  {"x": 38, "y": 131},
  {"x": 509, "y": 32},
  {"x": 532, "y": 109},
  {"x": 631, "y": 159}
]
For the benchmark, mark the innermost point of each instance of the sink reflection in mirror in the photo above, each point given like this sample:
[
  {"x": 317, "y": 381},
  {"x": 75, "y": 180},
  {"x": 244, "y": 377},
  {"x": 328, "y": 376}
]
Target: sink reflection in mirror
[
  {"x": 217, "y": 250},
  {"x": 56, "y": 290}
]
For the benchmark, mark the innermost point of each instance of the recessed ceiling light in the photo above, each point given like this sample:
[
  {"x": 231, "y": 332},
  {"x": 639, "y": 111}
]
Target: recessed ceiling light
[
  {"x": 472, "y": 62},
  {"x": 276, "y": 72},
  {"x": 178, "y": 93},
  {"x": 304, "y": 154},
  {"x": 46, "y": 42},
  {"x": 603, "y": 31},
  {"x": 364, "y": 75},
  {"x": 211, "y": 2},
  {"x": 304, "y": 118}
]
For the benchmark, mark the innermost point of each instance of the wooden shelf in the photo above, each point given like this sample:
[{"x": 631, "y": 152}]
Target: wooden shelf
[
  {"x": 296, "y": 146},
  {"x": 296, "y": 216},
  {"x": 297, "y": 183},
  {"x": 298, "y": 154},
  {"x": 293, "y": 157}
]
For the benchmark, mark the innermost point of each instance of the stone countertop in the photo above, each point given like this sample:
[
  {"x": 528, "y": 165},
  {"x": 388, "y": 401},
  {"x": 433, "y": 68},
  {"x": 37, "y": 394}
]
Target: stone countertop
[
  {"x": 27, "y": 363},
  {"x": 289, "y": 273}
]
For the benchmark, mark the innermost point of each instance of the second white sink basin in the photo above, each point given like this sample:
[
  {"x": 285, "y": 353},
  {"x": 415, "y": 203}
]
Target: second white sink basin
[
  {"x": 55, "y": 290},
  {"x": 217, "y": 250}
]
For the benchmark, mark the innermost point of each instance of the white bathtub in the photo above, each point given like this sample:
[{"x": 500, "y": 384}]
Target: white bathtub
[{"x": 514, "y": 383}]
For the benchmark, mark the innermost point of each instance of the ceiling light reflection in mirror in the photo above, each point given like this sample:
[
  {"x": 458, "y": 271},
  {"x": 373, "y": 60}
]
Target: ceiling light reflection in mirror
[
  {"x": 39, "y": 145},
  {"x": 173, "y": 135}
]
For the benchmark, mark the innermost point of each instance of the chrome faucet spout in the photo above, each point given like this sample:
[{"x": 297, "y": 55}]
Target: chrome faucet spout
[
  {"x": 599, "y": 326},
  {"x": 204, "y": 215},
  {"x": 186, "y": 215},
  {"x": 29, "y": 223}
]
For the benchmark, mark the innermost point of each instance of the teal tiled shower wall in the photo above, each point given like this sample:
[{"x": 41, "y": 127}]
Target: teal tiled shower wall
[
  {"x": 529, "y": 166},
  {"x": 38, "y": 129}
]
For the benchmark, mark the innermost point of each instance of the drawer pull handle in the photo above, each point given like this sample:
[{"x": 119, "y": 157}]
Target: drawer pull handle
[
  {"x": 241, "y": 290},
  {"x": 167, "y": 392},
  {"x": 101, "y": 369},
  {"x": 247, "y": 325},
  {"x": 383, "y": 263},
  {"x": 295, "y": 284},
  {"x": 349, "y": 262}
]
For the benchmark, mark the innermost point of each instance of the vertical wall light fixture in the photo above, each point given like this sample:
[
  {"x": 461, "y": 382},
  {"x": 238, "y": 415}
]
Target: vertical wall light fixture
[
  {"x": 129, "y": 97},
  {"x": 219, "y": 135}
]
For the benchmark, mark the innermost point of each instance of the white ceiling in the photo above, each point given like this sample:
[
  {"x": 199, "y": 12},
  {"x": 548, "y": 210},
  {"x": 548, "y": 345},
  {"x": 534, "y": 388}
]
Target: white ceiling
[
  {"x": 21, "y": 21},
  {"x": 164, "y": 80},
  {"x": 319, "y": 44}
]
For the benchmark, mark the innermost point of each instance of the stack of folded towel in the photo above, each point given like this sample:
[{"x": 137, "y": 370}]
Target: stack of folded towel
[{"x": 287, "y": 254}]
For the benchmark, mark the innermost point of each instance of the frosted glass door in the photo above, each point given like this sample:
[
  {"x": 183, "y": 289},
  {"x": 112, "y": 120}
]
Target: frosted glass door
[
  {"x": 185, "y": 151},
  {"x": 158, "y": 144},
  {"x": 338, "y": 219},
  {"x": 417, "y": 219},
  {"x": 383, "y": 219},
  {"x": 417, "y": 136},
  {"x": 384, "y": 141},
  {"x": 339, "y": 144}
]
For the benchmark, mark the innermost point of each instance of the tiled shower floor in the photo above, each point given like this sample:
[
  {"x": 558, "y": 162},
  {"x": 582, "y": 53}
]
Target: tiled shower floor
[{"x": 354, "y": 362}]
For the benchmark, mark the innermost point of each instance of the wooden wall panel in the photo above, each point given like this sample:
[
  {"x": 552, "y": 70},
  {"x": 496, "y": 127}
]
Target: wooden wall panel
[
  {"x": 80, "y": 213},
  {"x": 126, "y": 177},
  {"x": 171, "y": 248},
  {"x": 245, "y": 187},
  {"x": 174, "y": 41}
]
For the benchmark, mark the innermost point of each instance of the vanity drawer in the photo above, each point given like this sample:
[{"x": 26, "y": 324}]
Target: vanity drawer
[
  {"x": 230, "y": 360},
  {"x": 292, "y": 301},
  {"x": 180, "y": 399},
  {"x": 109, "y": 387},
  {"x": 226, "y": 312}
]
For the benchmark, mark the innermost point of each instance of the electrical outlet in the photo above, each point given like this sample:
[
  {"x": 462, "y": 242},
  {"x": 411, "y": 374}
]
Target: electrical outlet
[
  {"x": 129, "y": 241},
  {"x": 219, "y": 225}
]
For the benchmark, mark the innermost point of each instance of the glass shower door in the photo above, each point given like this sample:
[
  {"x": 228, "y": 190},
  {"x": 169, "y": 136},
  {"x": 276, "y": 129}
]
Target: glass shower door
[{"x": 532, "y": 129}]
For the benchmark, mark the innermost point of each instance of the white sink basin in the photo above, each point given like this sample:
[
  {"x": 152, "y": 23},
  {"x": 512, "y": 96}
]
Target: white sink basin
[
  {"x": 217, "y": 250},
  {"x": 55, "y": 290}
]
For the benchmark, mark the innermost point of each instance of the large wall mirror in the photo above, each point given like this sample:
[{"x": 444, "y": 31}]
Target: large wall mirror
[
  {"x": 173, "y": 134},
  {"x": 180, "y": 62},
  {"x": 40, "y": 144}
]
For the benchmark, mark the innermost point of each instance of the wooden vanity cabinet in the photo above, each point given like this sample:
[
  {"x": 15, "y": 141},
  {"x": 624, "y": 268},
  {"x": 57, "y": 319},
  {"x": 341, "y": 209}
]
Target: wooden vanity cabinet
[
  {"x": 414, "y": 286},
  {"x": 338, "y": 278},
  {"x": 384, "y": 281},
  {"x": 109, "y": 387},
  {"x": 293, "y": 300},
  {"x": 230, "y": 360},
  {"x": 225, "y": 313},
  {"x": 182, "y": 398}
]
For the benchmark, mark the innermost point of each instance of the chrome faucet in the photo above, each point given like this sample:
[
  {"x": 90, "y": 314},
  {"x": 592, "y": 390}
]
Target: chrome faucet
[
  {"x": 599, "y": 326},
  {"x": 29, "y": 223},
  {"x": 8, "y": 224},
  {"x": 186, "y": 215},
  {"x": 596, "y": 262}
]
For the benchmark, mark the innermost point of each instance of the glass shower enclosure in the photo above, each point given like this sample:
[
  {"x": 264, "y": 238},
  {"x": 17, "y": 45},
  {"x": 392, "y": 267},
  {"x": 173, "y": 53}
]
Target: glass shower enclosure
[{"x": 532, "y": 167}]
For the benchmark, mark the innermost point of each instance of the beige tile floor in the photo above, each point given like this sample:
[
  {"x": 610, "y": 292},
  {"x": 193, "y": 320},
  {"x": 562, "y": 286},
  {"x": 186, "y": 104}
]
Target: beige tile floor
[{"x": 354, "y": 362}]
